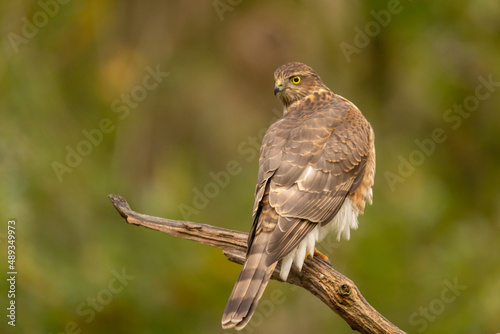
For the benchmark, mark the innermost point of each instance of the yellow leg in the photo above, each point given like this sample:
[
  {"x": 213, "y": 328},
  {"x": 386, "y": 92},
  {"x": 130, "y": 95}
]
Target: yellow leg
[{"x": 319, "y": 254}]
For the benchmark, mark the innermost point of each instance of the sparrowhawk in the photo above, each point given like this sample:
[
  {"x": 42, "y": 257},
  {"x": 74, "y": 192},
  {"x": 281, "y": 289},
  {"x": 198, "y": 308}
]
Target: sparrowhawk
[{"x": 316, "y": 171}]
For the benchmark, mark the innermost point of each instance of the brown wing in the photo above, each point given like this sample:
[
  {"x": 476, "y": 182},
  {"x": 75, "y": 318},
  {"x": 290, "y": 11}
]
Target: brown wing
[{"x": 309, "y": 163}]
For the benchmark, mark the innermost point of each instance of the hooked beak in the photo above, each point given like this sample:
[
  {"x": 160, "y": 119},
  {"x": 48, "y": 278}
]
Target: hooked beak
[{"x": 278, "y": 86}]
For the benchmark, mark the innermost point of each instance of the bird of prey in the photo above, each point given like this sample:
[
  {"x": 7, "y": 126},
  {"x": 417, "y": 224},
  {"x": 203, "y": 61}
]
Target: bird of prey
[{"x": 316, "y": 171}]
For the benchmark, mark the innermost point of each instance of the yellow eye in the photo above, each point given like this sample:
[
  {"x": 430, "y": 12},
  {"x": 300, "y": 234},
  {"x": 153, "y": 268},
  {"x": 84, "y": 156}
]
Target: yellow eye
[{"x": 295, "y": 80}]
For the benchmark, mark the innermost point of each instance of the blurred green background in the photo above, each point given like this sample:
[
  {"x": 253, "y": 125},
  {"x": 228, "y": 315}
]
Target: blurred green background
[{"x": 82, "y": 117}]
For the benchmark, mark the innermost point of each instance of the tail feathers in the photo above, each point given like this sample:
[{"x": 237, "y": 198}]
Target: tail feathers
[{"x": 249, "y": 287}]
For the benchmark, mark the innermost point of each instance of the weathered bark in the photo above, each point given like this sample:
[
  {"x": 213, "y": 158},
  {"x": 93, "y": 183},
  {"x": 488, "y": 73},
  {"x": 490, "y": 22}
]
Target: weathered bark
[{"x": 317, "y": 276}]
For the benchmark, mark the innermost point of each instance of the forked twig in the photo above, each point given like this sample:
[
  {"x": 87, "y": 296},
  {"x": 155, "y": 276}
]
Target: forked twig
[{"x": 317, "y": 276}]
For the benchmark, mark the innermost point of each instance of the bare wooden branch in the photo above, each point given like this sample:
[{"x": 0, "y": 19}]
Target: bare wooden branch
[{"x": 317, "y": 276}]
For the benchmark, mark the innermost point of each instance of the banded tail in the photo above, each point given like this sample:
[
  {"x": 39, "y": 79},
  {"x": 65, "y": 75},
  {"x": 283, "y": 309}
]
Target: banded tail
[{"x": 250, "y": 285}]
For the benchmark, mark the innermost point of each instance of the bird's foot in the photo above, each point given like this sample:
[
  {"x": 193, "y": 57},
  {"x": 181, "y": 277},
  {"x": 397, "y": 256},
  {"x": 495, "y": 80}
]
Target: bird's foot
[{"x": 321, "y": 255}]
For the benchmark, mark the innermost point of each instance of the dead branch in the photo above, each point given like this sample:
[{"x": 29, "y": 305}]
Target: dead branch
[{"x": 317, "y": 276}]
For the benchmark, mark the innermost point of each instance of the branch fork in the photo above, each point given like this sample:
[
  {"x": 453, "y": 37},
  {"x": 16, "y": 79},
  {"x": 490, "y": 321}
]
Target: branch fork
[{"x": 318, "y": 277}]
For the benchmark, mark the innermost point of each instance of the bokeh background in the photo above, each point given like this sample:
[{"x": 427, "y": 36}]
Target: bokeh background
[{"x": 69, "y": 68}]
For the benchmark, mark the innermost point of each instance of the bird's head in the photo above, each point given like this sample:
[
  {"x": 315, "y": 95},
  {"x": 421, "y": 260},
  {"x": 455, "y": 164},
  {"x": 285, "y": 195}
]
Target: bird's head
[{"x": 294, "y": 81}]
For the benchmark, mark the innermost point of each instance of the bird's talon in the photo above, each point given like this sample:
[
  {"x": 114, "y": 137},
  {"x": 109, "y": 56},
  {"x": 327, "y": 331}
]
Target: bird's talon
[{"x": 321, "y": 255}]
